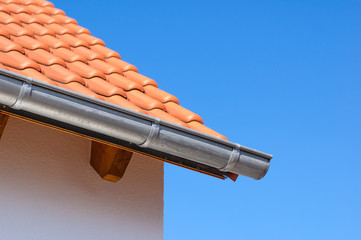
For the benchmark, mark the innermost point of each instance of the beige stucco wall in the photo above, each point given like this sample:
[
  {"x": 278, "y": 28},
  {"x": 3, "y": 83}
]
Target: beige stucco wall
[{"x": 48, "y": 190}]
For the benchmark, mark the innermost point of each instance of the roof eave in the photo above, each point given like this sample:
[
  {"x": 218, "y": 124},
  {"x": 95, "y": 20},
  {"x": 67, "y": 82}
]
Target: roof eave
[{"x": 22, "y": 93}]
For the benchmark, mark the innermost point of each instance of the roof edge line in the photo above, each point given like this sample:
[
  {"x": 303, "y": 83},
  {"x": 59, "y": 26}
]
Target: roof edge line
[{"x": 127, "y": 125}]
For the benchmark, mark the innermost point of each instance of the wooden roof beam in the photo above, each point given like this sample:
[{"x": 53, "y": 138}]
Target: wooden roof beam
[
  {"x": 3, "y": 122},
  {"x": 108, "y": 161}
]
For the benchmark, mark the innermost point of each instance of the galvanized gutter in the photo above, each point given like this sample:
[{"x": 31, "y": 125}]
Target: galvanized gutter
[{"x": 21, "y": 93}]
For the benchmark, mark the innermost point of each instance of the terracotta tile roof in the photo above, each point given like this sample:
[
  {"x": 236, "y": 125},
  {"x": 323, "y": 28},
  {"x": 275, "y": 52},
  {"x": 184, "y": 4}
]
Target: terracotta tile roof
[{"x": 40, "y": 41}]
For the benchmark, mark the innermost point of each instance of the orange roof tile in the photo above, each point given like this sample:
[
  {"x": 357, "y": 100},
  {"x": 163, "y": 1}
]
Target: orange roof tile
[
  {"x": 87, "y": 53},
  {"x": 29, "y": 42},
  {"x": 61, "y": 74},
  {"x": 40, "y": 41},
  {"x": 26, "y": 18},
  {"x": 68, "y": 55},
  {"x": 7, "y": 45}
]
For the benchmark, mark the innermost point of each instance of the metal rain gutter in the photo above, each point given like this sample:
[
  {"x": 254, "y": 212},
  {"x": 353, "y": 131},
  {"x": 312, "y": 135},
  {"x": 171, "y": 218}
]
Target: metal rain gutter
[{"x": 24, "y": 93}]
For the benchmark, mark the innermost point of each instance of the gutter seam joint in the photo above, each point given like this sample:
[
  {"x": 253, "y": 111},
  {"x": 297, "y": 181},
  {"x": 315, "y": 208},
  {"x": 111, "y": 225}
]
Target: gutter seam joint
[
  {"x": 25, "y": 92},
  {"x": 153, "y": 134}
]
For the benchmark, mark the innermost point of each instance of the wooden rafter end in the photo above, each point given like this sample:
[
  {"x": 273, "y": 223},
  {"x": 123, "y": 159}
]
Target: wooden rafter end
[
  {"x": 3, "y": 122},
  {"x": 108, "y": 161}
]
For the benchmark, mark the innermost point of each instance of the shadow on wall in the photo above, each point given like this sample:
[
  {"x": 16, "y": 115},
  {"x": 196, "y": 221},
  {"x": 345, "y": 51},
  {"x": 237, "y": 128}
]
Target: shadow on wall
[{"x": 48, "y": 188}]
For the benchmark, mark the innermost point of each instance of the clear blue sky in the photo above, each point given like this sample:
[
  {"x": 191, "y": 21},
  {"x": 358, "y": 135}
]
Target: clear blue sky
[{"x": 279, "y": 76}]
